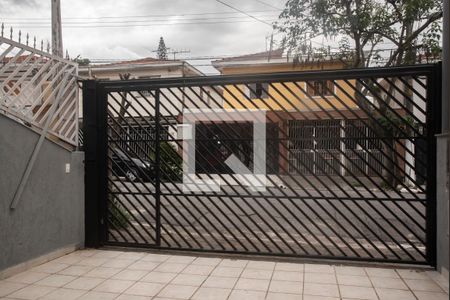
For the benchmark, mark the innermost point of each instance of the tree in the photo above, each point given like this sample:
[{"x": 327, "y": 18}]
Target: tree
[
  {"x": 162, "y": 49},
  {"x": 361, "y": 26}
]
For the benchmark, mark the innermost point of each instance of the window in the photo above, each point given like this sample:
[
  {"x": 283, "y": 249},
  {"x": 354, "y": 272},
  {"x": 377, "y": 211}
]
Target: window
[
  {"x": 258, "y": 90},
  {"x": 320, "y": 88}
]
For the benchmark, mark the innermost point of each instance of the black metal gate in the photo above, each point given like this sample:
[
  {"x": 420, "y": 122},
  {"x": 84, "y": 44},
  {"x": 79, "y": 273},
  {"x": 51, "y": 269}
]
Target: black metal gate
[{"x": 349, "y": 167}]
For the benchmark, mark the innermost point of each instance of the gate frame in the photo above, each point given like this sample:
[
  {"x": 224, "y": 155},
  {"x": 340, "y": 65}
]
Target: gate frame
[{"x": 95, "y": 142}]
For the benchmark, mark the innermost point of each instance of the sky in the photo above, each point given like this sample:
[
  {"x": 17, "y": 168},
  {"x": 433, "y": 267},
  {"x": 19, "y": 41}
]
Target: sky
[{"x": 127, "y": 29}]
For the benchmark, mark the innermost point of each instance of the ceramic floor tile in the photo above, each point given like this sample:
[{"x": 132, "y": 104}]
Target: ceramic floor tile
[
  {"x": 132, "y": 255},
  {"x": 130, "y": 275},
  {"x": 354, "y": 280},
  {"x": 290, "y": 267},
  {"x": 320, "y": 278},
  {"x": 132, "y": 297},
  {"x": 220, "y": 282},
  {"x": 283, "y": 296},
  {"x": 171, "y": 267},
  {"x": 234, "y": 263},
  {"x": 207, "y": 261},
  {"x": 102, "y": 272},
  {"x": 317, "y": 289},
  {"x": 313, "y": 268},
  {"x": 118, "y": 263},
  {"x": 147, "y": 289},
  {"x": 177, "y": 291},
  {"x": 159, "y": 277},
  {"x": 92, "y": 295},
  {"x": 75, "y": 270},
  {"x": 247, "y": 295},
  {"x": 189, "y": 279},
  {"x": 108, "y": 254},
  {"x": 287, "y": 275},
  {"x": 252, "y": 284},
  {"x": 93, "y": 261},
  {"x": 64, "y": 294},
  {"x": 348, "y": 270},
  {"x": 289, "y": 287},
  {"x": 114, "y": 286},
  {"x": 143, "y": 265},
  {"x": 261, "y": 265},
  {"x": 32, "y": 292},
  {"x": 181, "y": 259},
  {"x": 358, "y": 292},
  {"x": 256, "y": 274},
  {"x": 84, "y": 283},
  {"x": 51, "y": 267},
  {"x": 425, "y": 285},
  {"x": 389, "y": 283},
  {"x": 379, "y": 272},
  {"x": 431, "y": 295},
  {"x": 28, "y": 277},
  {"x": 198, "y": 270},
  {"x": 313, "y": 297},
  {"x": 205, "y": 293},
  {"x": 412, "y": 274},
  {"x": 7, "y": 288},
  {"x": 155, "y": 257},
  {"x": 56, "y": 280},
  {"x": 226, "y": 272},
  {"x": 392, "y": 294}
]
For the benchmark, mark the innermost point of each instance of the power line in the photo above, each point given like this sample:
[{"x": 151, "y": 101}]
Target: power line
[
  {"x": 130, "y": 21},
  {"x": 269, "y": 5},
  {"x": 141, "y": 16},
  {"x": 142, "y": 25},
  {"x": 245, "y": 13}
]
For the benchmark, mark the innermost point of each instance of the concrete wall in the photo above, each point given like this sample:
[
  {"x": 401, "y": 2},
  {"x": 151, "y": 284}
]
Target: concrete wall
[
  {"x": 442, "y": 205},
  {"x": 443, "y": 154},
  {"x": 50, "y": 214}
]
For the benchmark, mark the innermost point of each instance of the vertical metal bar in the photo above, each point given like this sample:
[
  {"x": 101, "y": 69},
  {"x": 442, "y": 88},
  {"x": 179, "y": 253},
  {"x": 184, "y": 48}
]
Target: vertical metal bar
[
  {"x": 102, "y": 161},
  {"x": 158, "y": 167},
  {"x": 90, "y": 132},
  {"x": 433, "y": 122}
]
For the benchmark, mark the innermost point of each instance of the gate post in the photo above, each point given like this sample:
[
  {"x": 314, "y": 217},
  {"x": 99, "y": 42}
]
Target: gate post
[
  {"x": 93, "y": 170},
  {"x": 434, "y": 100}
]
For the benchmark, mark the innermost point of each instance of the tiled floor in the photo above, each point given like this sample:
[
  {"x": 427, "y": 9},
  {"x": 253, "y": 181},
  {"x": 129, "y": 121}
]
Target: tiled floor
[{"x": 102, "y": 274}]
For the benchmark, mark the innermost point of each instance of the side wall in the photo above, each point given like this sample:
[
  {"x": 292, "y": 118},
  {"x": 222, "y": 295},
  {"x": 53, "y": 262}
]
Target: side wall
[
  {"x": 50, "y": 215},
  {"x": 443, "y": 152}
]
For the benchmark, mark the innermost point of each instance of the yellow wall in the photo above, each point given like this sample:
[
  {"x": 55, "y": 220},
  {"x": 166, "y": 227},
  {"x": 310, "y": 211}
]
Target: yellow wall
[{"x": 290, "y": 96}]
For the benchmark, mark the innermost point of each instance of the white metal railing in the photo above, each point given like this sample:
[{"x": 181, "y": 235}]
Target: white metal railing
[{"x": 32, "y": 81}]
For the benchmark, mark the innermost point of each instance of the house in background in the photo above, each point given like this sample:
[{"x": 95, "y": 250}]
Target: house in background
[
  {"x": 307, "y": 116},
  {"x": 139, "y": 115}
]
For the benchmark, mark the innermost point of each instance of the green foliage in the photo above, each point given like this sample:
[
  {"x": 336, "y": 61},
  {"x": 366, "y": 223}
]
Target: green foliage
[
  {"x": 118, "y": 215},
  {"x": 171, "y": 162},
  {"x": 82, "y": 61},
  {"x": 395, "y": 125},
  {"x": 361, "y": 25},
  {"x": 171, "y": 166}
]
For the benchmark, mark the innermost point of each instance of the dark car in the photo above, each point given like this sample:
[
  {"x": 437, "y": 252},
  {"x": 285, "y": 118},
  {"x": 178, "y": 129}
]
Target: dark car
[{"x": 134, "y": 169}]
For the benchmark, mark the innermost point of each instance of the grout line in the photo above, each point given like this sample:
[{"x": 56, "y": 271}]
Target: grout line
[
  {"x": 303, "y": 281},
  {"x": 270, "y": 280},
  {"x": 404, "y": 282},
  {"x": 371, "y": 283},
  {"x": 238, "y": 277}
]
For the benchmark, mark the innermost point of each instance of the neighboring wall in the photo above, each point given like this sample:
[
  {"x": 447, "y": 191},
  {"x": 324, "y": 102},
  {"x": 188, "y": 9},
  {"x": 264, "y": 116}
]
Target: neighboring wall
[
  {"x": 50, "y": 215},
  {"x": 442, "y": 156}
]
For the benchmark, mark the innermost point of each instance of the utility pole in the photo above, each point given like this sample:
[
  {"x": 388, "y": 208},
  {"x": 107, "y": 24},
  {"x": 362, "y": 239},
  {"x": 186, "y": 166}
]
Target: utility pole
[{"x": 57, "y": 44}]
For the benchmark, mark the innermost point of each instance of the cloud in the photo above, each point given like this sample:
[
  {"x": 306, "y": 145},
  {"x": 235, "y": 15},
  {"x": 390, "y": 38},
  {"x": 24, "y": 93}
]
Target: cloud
[{"x": 211, "y": 39}]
